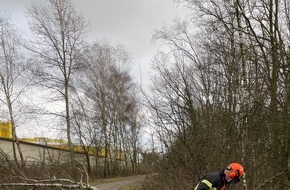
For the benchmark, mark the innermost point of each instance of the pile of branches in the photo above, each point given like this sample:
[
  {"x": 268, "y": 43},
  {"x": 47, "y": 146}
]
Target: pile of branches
[{"x": 41, "y": 177}]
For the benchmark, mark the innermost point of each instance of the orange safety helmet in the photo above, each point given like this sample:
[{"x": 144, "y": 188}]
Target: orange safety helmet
[{"x": 237, "y": 170}]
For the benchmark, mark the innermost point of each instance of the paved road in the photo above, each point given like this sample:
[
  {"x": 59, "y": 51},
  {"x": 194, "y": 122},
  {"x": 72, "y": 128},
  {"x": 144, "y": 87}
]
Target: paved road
[{"x": 118, "y": 184}]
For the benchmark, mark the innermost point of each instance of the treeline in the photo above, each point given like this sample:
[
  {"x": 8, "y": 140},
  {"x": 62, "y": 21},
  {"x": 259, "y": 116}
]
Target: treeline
[
  {"x": 79, "y": 88},
  {"x": 221, "y": 94}
]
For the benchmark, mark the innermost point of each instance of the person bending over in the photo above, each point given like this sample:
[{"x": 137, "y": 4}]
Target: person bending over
[{"x": 219, "y": 180}]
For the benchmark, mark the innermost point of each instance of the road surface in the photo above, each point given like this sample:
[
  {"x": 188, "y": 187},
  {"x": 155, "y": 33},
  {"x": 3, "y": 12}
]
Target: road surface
[{"x": 118, "y": 184}]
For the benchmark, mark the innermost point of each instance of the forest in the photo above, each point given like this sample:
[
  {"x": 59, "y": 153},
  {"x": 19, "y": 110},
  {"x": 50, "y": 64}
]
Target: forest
[{"x": 220, "y": 93}]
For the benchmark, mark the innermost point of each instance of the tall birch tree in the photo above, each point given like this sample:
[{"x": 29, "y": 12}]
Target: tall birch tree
[
  {"x": 59, "y": 31},
  {"x": 12, "y": 85}
]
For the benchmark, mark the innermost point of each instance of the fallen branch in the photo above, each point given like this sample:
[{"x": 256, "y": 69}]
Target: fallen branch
[{"x": 75, "y": 186}]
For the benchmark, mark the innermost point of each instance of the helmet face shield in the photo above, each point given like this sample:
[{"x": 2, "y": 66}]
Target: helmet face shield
[{"x": 234, "y": 172}]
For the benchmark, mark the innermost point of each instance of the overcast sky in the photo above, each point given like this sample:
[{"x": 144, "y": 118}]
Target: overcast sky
[{"x": 128, "y": 22}]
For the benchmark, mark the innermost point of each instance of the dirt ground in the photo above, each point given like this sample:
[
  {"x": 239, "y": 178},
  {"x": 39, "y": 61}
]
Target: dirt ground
[{"x": 116, "y": 185}]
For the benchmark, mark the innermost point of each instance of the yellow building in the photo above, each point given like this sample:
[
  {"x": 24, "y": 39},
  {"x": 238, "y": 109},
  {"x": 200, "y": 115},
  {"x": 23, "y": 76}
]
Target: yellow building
[
  {"x": 6, "y": 132},
  {"x": 45, "y": 141},
  {"x": 6, "y": 129}
]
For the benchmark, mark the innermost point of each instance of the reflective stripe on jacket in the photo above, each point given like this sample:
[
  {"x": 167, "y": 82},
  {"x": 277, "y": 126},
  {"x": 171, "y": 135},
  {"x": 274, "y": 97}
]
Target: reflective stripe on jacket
[{"x": 209, "y": 184}]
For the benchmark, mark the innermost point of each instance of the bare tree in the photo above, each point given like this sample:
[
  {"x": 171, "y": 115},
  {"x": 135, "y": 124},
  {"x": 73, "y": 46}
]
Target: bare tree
[
  {"x": 12, "y": 83},
  {"x": 59, "y": 31},
  {"x": 241, "y": 70},
  {"x": 84, "y": 128},
  {"x": 109, "y": 93}
]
